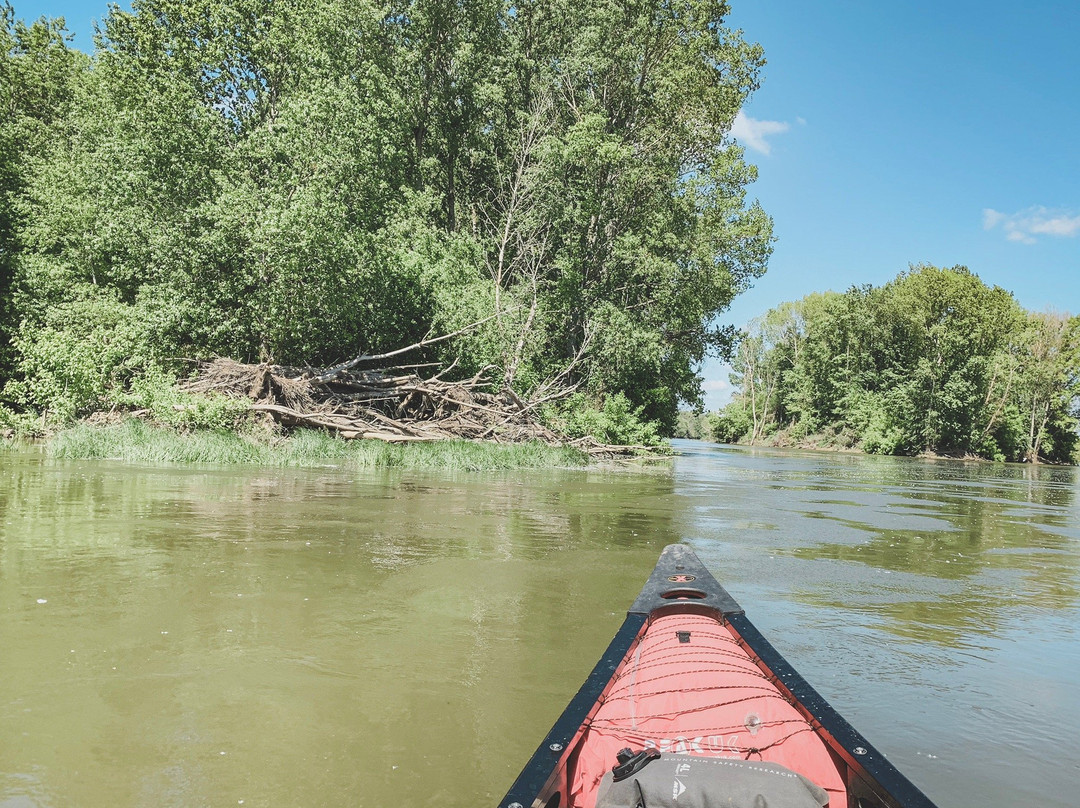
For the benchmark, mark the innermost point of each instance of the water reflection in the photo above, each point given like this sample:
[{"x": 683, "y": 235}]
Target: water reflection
[
  {"x": 1007, "y": 534},
  {"x": 973, "y": 566},
  {"x": 964, "y": 536},
  {"x": 199, "y": 636}
]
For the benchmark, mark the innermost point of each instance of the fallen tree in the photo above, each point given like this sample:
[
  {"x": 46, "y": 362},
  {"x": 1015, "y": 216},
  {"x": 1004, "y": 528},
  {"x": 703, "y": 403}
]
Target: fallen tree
[{"x": 395, "y": 404}]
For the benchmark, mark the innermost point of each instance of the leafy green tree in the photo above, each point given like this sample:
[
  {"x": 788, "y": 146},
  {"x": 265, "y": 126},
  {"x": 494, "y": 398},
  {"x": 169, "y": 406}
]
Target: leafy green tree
[
  {"x": 650, "y": 234},
  {"x": 693, "y": 425},
  {"x": 1049, "y": 387},
  {"x": 933, "y": 361},
  {"x": 37, "y": 76},
  {"x": 733, "y": 423},
  {"x": 301, "y": 182},
  {"x": 945, "y": 326}
]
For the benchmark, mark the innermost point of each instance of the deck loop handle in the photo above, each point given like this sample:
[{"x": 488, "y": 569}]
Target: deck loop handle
[{"x": 631, "y": 763}]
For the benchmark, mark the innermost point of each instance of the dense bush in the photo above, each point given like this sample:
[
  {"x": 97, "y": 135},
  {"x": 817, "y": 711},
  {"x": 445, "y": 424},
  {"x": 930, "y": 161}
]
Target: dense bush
[
  {"x": 301, "y": 182},
  {"x": 933, "y": 361},
  {"x": 616, "y": 421}
]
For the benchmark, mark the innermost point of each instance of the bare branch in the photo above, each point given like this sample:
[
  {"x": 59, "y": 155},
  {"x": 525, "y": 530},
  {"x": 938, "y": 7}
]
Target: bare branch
[{"x": 334, "y": 371}]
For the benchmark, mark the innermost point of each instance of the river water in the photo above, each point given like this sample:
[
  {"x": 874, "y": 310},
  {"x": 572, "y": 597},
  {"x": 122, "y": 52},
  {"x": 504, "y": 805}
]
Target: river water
[{"x": 231, "y": 636}]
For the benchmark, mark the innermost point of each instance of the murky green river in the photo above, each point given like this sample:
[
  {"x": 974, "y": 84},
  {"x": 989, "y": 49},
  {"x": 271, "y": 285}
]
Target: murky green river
[{"x": 222, "y": 637}]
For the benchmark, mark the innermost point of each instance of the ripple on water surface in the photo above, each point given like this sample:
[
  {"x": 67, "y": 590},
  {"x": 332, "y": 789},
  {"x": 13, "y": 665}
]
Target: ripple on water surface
[{"x": 199, "y": 636}]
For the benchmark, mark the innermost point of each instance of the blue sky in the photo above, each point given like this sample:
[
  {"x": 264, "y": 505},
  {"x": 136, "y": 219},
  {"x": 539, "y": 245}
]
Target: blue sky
[{"x": 888, "y": 134}]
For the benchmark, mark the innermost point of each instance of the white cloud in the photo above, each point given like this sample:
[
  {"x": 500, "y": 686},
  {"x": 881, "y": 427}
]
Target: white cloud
[
  {"x": 752, "y": 133},
  {"x": 991, "y": 218},
  {"x": 1024, "y": 225},
  {"x": 717, "y": 389},
  {"x": 1061, "y": 225}
]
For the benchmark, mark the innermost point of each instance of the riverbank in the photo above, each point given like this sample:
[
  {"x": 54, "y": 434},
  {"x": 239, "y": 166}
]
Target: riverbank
[
  {"x": 844, "y": 444},
  {"x": 136, "y": 441}
]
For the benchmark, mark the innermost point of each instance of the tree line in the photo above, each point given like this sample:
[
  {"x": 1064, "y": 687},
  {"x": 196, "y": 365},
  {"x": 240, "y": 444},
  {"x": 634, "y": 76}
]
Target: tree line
[
  {"x": 302, "y": 182},
  {"x": 934, "y": 361}
]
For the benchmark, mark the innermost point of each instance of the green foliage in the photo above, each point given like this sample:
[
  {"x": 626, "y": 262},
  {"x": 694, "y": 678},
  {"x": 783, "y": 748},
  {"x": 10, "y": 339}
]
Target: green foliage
[
  {"x": 76, "y": 355},
  {"x": 733, "y": 423},
  {"x": 870, "y": 417},
  {"x": 19, "y": 424},
  {"x": 306, "y": 181},
  {"x": 934, "y": 361},
  {"x": 615, "y": 421},
  {"x": 37, "y": 75},
  {"x": 155, "y": 391},
  {"x": 693, "y": 425}
]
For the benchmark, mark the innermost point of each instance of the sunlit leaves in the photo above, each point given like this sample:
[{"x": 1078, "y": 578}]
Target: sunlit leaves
[
  {"x": 934, "y": 361},
  {"x": 302, "y": 181}
]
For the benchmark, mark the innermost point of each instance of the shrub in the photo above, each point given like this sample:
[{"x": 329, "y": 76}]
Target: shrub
[
  {"x": 732, "y": 423},
  {"x": 72, "y": 360},
  {"x": 616, "y": 421},
  {"x": 155, "y": 390}
]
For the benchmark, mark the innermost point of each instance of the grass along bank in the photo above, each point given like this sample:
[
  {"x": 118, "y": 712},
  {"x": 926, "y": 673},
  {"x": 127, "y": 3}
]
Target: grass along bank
[{"x": 136, "y": 441}]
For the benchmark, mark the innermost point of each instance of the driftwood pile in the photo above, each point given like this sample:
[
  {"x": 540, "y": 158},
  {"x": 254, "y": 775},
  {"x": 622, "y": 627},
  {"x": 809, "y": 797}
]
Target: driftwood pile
[{"x": 394, "y": 404}]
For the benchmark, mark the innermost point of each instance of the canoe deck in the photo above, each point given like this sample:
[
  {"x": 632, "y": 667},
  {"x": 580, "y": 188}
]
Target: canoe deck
[
  {"x": 689, "y": 674},
  {"x": 689, "y": 686}
]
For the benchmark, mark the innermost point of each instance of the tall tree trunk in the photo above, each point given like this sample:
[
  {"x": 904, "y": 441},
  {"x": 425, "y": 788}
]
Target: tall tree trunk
[
  {"x": 1039, "y": 434},
  {"x": 1031, "y": 455}
]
